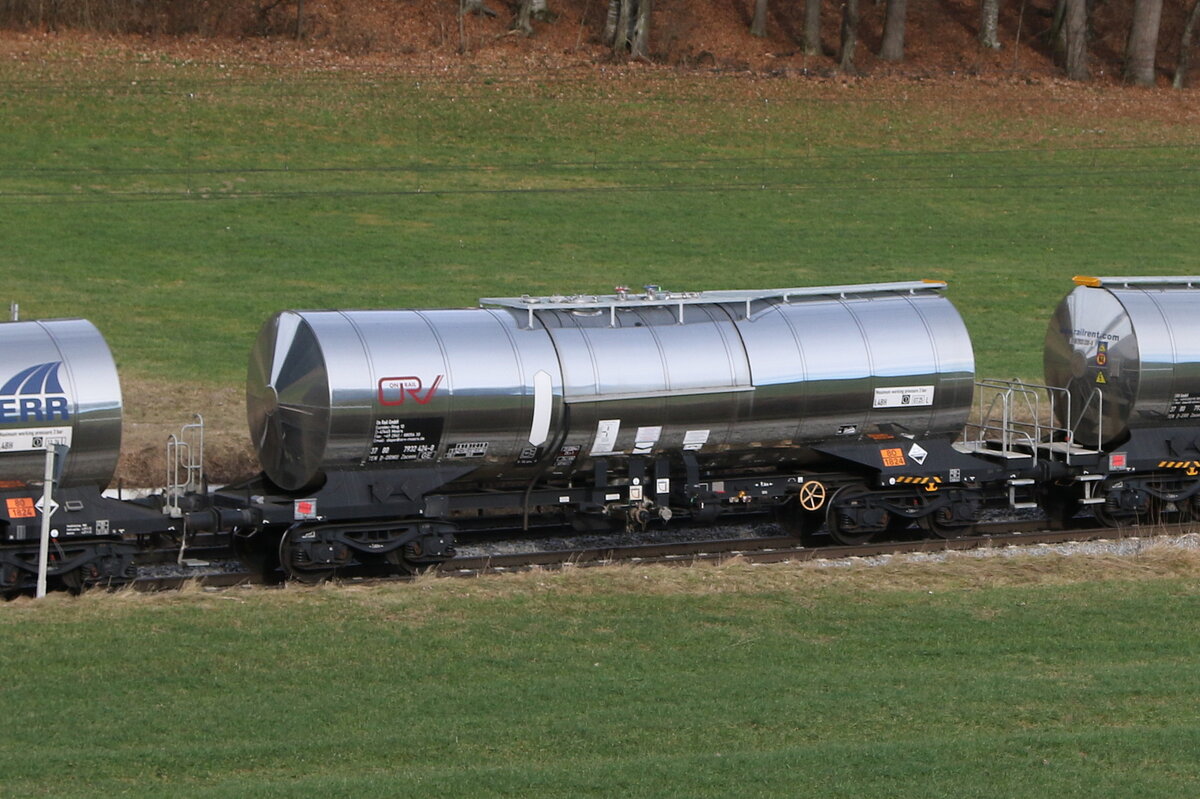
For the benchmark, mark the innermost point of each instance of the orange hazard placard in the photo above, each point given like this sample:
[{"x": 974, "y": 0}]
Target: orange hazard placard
[
  {"x": 21, "y": 508},
  {"x": 892, "y": 457}
]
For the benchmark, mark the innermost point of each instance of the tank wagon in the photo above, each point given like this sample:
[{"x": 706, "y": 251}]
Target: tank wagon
[
  {"x": 633, "y": 407},
  {"x": 1126, "y": 352},
  {"x": 851, "y": 412},
  {"x": 59, "y": 386}
]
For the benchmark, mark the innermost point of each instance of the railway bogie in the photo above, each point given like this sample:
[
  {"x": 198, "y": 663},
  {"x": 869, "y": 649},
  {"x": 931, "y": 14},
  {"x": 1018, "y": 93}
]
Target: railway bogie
[{"x": 93, "y": 540}]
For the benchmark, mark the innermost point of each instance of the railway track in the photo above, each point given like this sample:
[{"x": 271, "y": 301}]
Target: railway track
[{"x": 767, "y": 549}]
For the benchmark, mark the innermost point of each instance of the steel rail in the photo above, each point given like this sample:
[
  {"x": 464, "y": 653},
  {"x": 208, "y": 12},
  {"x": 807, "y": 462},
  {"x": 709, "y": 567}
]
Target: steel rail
[{"x": 770, "y": 549}]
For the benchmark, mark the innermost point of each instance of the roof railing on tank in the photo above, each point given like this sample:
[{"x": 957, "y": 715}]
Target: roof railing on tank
[
  {"x": 656, "y": 296},
  {"x": 1162, "y": 281}
]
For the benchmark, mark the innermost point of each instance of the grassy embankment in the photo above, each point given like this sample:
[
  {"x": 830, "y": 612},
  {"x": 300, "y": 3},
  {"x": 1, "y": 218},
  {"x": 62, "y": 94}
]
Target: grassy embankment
[{"x": 1031, "y": 678}]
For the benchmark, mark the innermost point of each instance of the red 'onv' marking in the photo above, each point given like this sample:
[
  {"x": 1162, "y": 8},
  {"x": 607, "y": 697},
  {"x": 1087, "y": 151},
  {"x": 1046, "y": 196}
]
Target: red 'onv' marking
[{"x": 394, "y": 390}]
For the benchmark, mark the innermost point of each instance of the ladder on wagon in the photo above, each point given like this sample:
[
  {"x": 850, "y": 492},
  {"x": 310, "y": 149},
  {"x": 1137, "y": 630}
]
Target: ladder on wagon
[
  {"x": 185, "y": 466},
  {"x": 1015, "y": 419},
  {"x": 1011, "y": 422}
]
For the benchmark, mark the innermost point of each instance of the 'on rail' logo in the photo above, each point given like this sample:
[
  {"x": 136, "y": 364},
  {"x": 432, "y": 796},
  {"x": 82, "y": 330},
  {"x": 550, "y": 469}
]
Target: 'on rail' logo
[{"x": 395, "y": 390}]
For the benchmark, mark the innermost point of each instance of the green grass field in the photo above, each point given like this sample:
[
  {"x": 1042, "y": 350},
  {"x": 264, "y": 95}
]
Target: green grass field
[
  {"x": 1020, "y": 678},
  {"x": 178, "y": 205}
]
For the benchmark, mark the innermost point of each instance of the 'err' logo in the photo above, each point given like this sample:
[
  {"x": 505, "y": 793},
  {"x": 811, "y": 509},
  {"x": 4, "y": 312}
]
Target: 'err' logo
[
  {"x": 34, "y": 394},
  {"x": 395, "y": 390}
]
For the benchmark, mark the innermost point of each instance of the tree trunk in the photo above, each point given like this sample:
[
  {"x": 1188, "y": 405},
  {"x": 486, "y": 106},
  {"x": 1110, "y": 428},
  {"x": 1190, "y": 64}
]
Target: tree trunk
[
  {"x": 1185, "y": 46},
  {"x": 523, "y": 22},
  {"x": 527, "y": 12},
  {"x": 849, "y": 35},
  {"x": 1075, "y": 26},
  {"x": 475, "y": 7},
  {"x": 892, "y": 48},
  {"x": 610, "y": 22},
  {"x": 620, "y": 39},
  {"x": 1143, "y": 42},
  {"x": 1057, "y": 36},
  {"x": 627, "y": 27},
  {"x": 812, "y": 27},
  {"x": 639, "y": 46},
  {"x": 989, "y": 24},
  {"x": 758, "y": 27}
]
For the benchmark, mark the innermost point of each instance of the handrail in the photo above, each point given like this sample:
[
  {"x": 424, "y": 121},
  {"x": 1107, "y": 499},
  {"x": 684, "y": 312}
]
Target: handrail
[
  {"x": 185, "y": 465},
  {"x": 1014, "y": 415}
]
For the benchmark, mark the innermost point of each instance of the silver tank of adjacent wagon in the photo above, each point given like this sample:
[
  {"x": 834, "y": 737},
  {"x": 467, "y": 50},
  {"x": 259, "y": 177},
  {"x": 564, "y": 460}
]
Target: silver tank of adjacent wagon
[
  {"x": 58, "y": 384},
  {"x": 553, "y": 383},
  {"x": 1127, "y": 349}
]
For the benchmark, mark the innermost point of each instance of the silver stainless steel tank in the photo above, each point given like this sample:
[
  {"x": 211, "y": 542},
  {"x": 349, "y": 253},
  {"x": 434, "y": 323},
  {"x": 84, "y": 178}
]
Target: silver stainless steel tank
[
  {"x": 555, "y": 382},
  {"x": 1127, "y": 349},
  {"x": 58, "y": 383}
]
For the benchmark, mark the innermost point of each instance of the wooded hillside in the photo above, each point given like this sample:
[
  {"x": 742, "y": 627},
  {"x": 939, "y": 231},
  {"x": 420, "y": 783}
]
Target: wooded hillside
[{"x": 1142, "y": 42}]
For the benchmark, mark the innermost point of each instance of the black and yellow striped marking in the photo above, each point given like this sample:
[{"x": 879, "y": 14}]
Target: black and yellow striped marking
[
  {"x": 930, "y": 483},
  {"x": 1179, "y": 464}
]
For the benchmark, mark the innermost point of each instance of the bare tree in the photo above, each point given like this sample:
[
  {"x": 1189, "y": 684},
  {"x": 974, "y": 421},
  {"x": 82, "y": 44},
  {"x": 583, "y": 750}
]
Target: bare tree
[
  {"x": 616, "y": 25},
  {"x": 892, "y": 48},
  {"x": 639, "y": 46},
  {"x": 812, "y": 27},
  {"x": 529, "y": 10},
  {"x": 758, "y": 26},
  {"x": 627, "y": 27},
  {"x": 849, "y": 35},
  {"x": 1075, "y": 25},
  {"x": 989, "y": 24},
  {"x": 1143, "y": 42},
  {"x": 1185, "y": 46},
  {"x": 610, "y": 22}
]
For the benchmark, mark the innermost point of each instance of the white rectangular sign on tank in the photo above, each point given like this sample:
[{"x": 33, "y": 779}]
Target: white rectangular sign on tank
[
  {"x": 903, "y": 397},
  {"x": 31, "y": 439}
]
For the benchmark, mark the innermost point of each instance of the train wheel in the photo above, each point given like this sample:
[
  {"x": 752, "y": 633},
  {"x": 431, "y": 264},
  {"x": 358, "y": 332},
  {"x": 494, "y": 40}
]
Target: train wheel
[
  {"x": 1130, "y": 504},
  {"x": 293, "y": 559},
  {"x": 1189, "y": 510},
  {"x": 1144, "y": 511},
  {"x": 941, "y": 524},
  {"x": 1105, "y": 518},
  {"x": 10, "y": 581},
  {"x": 1155, "y": 513},
  {"x": 72, "y": 581},
  {"x": 399, "y": 564},
  {"x": 851, "y": 519}
]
